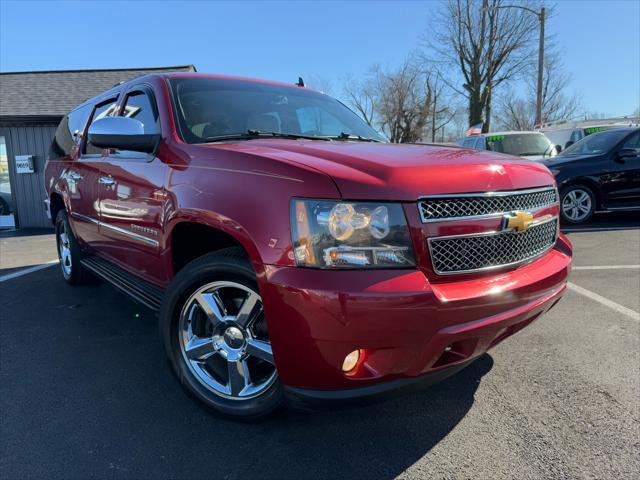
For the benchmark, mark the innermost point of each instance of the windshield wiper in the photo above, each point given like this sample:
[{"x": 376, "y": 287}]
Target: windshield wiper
[
  {"x": 527, "y": 154},
  {"x": 350, "y": 136},
  {"x": 253, "y": 134}
]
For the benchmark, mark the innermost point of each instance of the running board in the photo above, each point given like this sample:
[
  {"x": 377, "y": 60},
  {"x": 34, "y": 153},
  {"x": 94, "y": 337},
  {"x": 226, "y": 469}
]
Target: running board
[{"x": 142, "y": 292}]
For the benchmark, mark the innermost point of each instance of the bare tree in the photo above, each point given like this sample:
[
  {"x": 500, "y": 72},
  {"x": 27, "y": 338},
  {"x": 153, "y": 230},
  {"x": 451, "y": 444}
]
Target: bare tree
[
  {"x": 404, "y": 102},
  {"x": 441, "y": 111},
  {"x": 520, "y": 113},
  {"x": 488, "y": 44},
  {"x": 361, "y": 96}
]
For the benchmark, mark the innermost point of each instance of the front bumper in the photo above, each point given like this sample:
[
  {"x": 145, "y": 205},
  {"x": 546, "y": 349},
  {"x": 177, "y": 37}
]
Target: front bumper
[{"x": 408, "y": 328}]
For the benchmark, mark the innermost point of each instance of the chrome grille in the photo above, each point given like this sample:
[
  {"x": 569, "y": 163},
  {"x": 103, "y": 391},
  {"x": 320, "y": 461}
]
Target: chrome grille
[
  {"x": 477, "y": 252},
  {"x": 438, "y": 208}
]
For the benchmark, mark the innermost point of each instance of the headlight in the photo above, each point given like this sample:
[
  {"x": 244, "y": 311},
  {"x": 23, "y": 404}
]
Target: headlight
[{"x": 334, "y": 234}]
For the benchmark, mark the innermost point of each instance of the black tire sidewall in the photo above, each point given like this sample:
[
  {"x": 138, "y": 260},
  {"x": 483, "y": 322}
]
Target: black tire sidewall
[
  {"x": 77, "y": 276},
  {"x": 223, "y": 265},
  {"x": 565, "y": 191}
]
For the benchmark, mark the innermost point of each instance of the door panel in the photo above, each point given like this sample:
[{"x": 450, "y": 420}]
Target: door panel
[
  {"x": 132, "y": 198},
  {"x": 81, "y": 175},
  {"x": 132, "y": 214},
  {"x": 81, "y": 178},
  {"x": 623, "y": 182}
]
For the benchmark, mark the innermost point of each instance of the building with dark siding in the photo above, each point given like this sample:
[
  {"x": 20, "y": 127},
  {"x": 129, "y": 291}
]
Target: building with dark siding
[{"x": 31, "y": 106}]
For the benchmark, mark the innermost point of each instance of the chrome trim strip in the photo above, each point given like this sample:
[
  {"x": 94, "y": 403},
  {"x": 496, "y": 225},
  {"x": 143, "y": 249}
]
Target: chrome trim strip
[
  {"x": 126, "y": 233},
  {"x": 85, "y": 218},
  {"x": 494, "y": 232},
  {"x": 498, "y": 193}
]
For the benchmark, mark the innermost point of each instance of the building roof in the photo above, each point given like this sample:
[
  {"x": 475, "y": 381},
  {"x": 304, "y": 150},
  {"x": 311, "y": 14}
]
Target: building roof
[{"x": 55, "y": 93}]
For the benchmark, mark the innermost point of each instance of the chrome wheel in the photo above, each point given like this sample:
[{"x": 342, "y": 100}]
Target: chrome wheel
[
  {"x": 64, "y": 250},
  {"x": 224, "y": 341},
  {"x": 577, "y": 205}
]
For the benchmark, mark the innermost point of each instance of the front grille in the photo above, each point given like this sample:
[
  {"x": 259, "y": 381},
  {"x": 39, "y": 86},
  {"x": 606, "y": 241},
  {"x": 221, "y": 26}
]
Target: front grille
[
  {"x": 440, "y": 208},
  {"x": 472, "y": 253}
]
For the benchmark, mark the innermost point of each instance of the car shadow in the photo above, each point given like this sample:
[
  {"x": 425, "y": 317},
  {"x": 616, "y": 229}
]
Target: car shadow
[{"x": 86, "y": 389}]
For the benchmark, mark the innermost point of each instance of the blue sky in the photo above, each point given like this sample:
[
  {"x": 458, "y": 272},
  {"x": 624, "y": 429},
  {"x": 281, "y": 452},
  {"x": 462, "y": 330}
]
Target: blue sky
[{"x": 599, "y": 40}]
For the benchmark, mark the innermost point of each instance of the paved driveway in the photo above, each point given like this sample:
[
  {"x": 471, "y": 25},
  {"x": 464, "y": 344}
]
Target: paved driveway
[{"x": 85, "y": 393}]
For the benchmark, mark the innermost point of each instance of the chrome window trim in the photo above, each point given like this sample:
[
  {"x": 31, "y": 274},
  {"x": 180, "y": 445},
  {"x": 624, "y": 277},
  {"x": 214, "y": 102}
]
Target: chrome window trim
[
  {"x": 497, "y": 193},
  {"x": 122, "y": 231},
  {"x": 495, "y": 233}
]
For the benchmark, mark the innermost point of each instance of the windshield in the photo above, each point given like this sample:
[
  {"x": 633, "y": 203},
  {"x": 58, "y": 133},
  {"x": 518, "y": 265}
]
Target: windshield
[
  {"x": 210, "y": 108},
  {"x": 521, "y": 144},
  {"x": 595, "y": 144}
]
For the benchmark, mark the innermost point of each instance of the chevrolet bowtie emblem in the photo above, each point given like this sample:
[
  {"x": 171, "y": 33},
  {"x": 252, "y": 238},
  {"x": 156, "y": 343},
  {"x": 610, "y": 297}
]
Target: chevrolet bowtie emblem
[{"x": 519, "y": 221}]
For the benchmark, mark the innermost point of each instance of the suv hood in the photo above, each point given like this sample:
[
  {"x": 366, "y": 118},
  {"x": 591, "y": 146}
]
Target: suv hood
[{"x": 403, "y": 172}]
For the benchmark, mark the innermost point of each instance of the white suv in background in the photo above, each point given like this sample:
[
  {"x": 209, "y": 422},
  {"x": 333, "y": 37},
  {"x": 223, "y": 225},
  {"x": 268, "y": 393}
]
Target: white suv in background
[{"x": 530, "y": 145}]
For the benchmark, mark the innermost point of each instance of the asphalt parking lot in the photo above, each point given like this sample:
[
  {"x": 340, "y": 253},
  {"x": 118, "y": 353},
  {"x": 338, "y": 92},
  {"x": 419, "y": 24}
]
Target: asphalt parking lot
[{"x": 85, "y": 391}]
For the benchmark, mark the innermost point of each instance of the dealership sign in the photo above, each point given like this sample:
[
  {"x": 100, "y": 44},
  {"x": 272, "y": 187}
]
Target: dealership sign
[{"x": 24, "y": 164}]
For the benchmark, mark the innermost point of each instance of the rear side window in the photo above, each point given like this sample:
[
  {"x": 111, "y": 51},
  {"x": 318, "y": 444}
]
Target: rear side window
[
  {"x": 69, "y": 132},
  {"x": 102, "y": 110}
]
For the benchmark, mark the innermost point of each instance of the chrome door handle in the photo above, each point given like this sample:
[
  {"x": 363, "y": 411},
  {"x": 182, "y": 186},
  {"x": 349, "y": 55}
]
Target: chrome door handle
[
  {"x": 106, "y": 181},
  {"x": 75, "y": 176}
]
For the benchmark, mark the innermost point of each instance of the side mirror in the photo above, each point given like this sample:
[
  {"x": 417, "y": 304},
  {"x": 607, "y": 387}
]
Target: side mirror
[
  {"x": 122, "y": 133},
  {"x": 558, "y": 148},
  {"x": 628, "y": 152}
]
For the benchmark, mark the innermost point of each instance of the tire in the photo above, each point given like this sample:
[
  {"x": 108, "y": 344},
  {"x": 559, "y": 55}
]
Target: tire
[
  {"x": 69, "y": 252},
  {"x": 577, "y": 204},
  {"x": 215, "y": 336}
]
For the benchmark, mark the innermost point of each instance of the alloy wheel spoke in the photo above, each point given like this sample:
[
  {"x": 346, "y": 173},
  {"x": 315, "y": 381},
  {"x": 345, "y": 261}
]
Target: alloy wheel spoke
[
  {"x": 260, "y": 349},
  {"x": 239, "y": 377},
  {"x": 210, "y": 306},
  {"x": 199, "y": 348},
  {"x": 245, "y": 314}
]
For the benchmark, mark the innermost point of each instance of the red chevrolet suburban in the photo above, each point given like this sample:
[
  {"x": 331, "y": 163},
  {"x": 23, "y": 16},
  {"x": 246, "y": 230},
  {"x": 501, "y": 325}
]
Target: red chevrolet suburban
[{"x": 291, "y": 253}]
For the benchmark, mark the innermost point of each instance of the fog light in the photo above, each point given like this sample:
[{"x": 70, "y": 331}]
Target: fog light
[{"x": 350, "y": 361}]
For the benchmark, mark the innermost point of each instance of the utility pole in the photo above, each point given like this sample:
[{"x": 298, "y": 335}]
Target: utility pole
[
  {"x": 540, "y": 68},
  {"x": 540, "y": 15}
]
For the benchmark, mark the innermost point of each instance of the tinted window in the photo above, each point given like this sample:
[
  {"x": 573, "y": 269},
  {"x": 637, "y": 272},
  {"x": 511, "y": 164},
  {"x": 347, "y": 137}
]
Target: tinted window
[
  {"x": 316, "y": 121},
  {"x": 142, "y": 107},
  {"x": 633, "y": 141},
  {"x": 596, "y": 144},
  {"x": 523, "y": 145},
  {"x": 69, "y": 132},
  {"x": 139, "y": 106},
  {"x": 102, "y": 110},
  {"x": 210, "y": 107}
]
